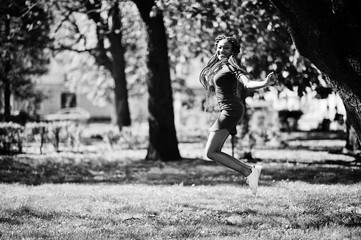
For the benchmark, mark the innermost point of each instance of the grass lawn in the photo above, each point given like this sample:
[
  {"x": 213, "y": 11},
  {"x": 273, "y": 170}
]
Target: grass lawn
[
  {"x": 285, "y": 210},
  {"x": 102, "y": 195}
]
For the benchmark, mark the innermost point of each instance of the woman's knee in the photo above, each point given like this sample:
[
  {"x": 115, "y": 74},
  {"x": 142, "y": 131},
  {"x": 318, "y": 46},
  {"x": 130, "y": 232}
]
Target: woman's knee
[
  {"x": 215, "y": 143},
  {"x": 210, "y": 153}
]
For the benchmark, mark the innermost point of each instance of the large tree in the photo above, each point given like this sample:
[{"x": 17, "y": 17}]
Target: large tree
[
  {"x": 163, "y": 143},
  {"x": 24, "y": 38},
  {"x": 329, "y": 34}
]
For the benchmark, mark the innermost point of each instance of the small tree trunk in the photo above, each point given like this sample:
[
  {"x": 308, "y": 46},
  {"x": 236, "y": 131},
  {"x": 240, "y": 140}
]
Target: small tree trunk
[
  {"x": 116, "y": 65},
  {"x": 118, "y": 71},
  {"x": 352, "y": 142},
  {"x": 7, "y": 105},
  {"x": 6, "y": 80}
]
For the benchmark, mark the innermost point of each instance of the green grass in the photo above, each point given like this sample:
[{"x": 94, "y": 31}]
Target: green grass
[
  {"x": 115, "y": 195},
  {"x": 285, "y": 210}
]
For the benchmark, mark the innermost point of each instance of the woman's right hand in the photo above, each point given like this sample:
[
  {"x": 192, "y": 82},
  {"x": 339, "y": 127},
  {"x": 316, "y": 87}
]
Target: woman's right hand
[{"x": 271, "y": 79}]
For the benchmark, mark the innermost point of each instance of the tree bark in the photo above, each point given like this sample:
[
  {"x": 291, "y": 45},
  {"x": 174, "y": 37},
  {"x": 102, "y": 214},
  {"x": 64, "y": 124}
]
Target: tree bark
[
  {"x": 163, "y": 143},
  {"x": 7, "y": 95},
  {"x": 6, "y": 79},
  {"x": 352, "y": 143},
  {"x": 116, "y": 65},
  {"x": 329, "y": 34},
  {"x": 118, "y": 71}
]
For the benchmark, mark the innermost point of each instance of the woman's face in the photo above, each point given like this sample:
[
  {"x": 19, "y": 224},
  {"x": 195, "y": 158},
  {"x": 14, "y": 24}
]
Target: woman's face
[{"x": 224, "y": 49}]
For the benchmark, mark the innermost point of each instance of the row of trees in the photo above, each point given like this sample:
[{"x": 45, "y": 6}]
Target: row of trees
[{"x": 162, "y": 34}]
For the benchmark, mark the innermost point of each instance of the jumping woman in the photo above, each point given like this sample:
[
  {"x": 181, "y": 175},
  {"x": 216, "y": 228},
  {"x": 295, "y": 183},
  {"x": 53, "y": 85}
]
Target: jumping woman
[{"x": 224, "y": 76}]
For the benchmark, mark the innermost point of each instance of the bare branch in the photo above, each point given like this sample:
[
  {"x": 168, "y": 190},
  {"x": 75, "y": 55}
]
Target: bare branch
[
  {"x": 77, "y": 29},
  {"x": 69, "y": 48},
  {"x": 97, "y": 10},
  {"x": 66, "y": 17},
  {"x": 29, "y": 9}
]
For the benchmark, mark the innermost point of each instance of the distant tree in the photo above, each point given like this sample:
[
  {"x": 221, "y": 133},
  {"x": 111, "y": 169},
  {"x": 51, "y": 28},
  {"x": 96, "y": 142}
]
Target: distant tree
[
  {"x": 98, "y": 28},
  {"x": 24, "y": 43},
  {"x": 163, "y": 143},
  {"x": 329, "y": 34}
]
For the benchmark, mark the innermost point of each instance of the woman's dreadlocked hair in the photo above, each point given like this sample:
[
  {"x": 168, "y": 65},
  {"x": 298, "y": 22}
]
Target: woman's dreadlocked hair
[{"x": 214, "y": 64}]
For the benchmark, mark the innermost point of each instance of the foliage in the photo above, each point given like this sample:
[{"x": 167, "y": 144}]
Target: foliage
[
  {"x": 66, "y": 136},
  {"x": 289, "y": 119},
  {"x": 111, "y": 137},
  {"x": 67, "y": 133},
  {"x": 57, "y": 133},
  {"x": 265, "y": 126},
  {"x": 24, "y": 42},
  {"x": 132, "y": 137},
  {"x": 263, "y": 131},
  {"x": 265, "y": 43},
  {"x": 36, "y": 132},
  {"x": 11, "y": 138}
]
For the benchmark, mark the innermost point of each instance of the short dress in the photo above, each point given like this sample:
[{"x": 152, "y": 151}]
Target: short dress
[{"x": 230, "y": 105}]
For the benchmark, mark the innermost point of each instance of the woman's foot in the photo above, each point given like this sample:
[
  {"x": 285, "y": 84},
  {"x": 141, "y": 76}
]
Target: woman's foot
[{"x": 252, "y": 179}]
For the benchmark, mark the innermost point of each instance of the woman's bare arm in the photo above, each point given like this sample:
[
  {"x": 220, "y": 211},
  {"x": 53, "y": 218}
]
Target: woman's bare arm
[{"x": 253, "y": 85}]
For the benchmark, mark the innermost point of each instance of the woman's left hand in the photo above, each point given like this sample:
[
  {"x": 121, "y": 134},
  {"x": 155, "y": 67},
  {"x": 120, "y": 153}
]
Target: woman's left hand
[{"x": 271, "y": 79}]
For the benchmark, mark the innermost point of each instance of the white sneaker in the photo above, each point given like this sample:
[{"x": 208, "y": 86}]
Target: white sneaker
[{"x": 252, "y": 179}]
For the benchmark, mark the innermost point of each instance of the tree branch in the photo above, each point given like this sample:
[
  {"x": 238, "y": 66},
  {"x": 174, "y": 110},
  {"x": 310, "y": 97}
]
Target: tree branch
[
  {"x": 66, "y": 17},
  {"x": 29, "y": 9},
  {"x": 69, "y": 48}
]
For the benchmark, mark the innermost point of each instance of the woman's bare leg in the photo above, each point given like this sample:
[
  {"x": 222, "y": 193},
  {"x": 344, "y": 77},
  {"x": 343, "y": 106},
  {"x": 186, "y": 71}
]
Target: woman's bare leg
[{"x": 214, "y": 152}]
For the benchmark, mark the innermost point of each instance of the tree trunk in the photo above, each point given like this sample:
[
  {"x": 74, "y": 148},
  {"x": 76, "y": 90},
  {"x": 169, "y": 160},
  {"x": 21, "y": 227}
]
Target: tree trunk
[
  {"x": 6, "y": 80},
  {"x": 352, "y": 143},
  {"x": 118, "y": 71},
  {"x": 329, "y": 34},
  {"x": 163, "y": 143},
  {"x": 116, "y": 65},
  {"x": 7, "y": 95}
]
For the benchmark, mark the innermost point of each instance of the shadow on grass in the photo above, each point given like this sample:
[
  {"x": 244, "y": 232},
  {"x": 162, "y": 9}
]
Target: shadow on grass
[
  {"x": 314, "y": 174},
  {"x": 76, "y": 168},
  {"x": 305, "y": 220},
  {"x": 19, "y": 215}
]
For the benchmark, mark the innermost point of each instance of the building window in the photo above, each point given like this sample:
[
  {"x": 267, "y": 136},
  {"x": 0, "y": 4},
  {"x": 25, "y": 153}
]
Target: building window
[{"x": 68, "y": 100}]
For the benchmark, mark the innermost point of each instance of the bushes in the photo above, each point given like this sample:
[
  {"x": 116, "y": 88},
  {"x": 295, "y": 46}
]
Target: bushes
[
  {"x": 53, "y": 133},
  {"x": 11, "y": 138},
  {"x": 66, "y": 132},
  {"x": 36, "y": 132},
  {"x": 263, "y": 131},
  {"x": 13, "y": 135},
  {"x": 66, "y": 136},
  {"x": 134, "y": 137},
  {"x": 289, "y": 119}
]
